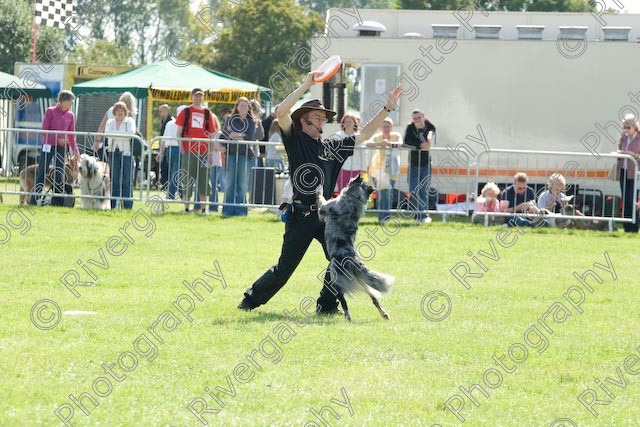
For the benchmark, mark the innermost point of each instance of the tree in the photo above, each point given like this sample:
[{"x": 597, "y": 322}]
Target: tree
[
  {"x": 508, "y": 5},
  {"x": 321, "y": 6},
  {"x": 15, "y": 44},
  {"x": 103, "y": 52},
  {"x": 143, "y": 28},
  {"x": 263, "y": 37}
]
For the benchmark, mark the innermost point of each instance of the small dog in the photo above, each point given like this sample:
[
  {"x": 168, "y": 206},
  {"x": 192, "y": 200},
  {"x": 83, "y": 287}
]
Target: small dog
[
  {"x": 28, "y": 177},
  {"x": 592, "y": 224},
  {"x": 347, "y": 271},
  {"x": 95, "y": 181}
]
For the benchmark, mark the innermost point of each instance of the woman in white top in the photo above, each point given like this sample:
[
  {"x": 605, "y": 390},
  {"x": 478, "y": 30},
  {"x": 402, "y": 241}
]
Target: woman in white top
[
  {"x": 119, "y": 149},
  {"x": 385, "y": 165},
  {"x": 132, "y": 111},
  {"x": 274, "y": 152}
]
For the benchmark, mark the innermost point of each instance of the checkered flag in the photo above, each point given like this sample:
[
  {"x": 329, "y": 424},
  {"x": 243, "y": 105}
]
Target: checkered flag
[{"x": 54, "y": 13}]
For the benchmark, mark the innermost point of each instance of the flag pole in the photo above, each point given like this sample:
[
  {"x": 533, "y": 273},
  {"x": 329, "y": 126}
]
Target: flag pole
[{"x": 35, "y": 41}]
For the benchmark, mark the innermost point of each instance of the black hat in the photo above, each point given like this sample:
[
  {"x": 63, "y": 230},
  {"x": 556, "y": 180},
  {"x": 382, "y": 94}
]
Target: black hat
[
  {"x": 197, "y": 90},
  {"x": 313, "y": 105}
]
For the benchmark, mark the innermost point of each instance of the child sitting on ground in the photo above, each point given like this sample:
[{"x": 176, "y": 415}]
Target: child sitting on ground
[{"x": 487, "y": 203}]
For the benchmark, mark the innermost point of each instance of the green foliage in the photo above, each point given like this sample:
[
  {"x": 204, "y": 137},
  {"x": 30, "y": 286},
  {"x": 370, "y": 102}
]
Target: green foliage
[
  {"x": 103, "y": 52},
  {"x": 261, "y": 36},
  {"x": 15, "y": 45},
  {"x": 321, "y": 6},
  {"x": 508, "y": 5},
  {"x": 560, "y": 6}
]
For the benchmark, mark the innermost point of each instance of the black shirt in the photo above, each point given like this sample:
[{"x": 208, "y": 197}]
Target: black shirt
[
  {"x": 511, "y": 195},
  {"x": 314, "y": 161},
  {"x": 237, "y": 124},
  {"x": 414, "y": 137},
  {"x": 163, "y": 123}
]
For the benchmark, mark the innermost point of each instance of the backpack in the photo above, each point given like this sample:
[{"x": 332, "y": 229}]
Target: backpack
[{"x": 187, "y": 114}]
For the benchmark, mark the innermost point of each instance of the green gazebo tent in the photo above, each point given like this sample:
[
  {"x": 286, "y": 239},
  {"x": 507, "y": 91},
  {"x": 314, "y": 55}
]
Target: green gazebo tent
[{"x": 164, "y": 81}]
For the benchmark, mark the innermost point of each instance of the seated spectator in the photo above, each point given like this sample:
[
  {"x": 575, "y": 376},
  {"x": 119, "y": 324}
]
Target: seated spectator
[
  {"x": 553, "y": 199},
  {"x": 518, "y": 196},
  {"x": 487, "y": 203}
]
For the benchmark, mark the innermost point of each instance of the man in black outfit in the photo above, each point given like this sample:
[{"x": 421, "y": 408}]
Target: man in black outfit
[
  {"x": 419, "y": 135},
  {"x": 312, "y": 162}
]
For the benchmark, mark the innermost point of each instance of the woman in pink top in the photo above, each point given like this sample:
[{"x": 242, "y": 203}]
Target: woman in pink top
[
  {"x": 629, "y": 144},
  {"x": 54, "y": 145}
]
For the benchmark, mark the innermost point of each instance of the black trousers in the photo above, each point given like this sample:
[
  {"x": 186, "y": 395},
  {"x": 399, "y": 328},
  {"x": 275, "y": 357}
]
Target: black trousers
[
  {"x": 300, "y": 230},
  {"x": 629, "y": 201}
]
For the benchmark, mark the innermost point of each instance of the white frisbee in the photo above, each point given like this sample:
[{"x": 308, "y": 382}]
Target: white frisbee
[{"x": 329, "y": 68}]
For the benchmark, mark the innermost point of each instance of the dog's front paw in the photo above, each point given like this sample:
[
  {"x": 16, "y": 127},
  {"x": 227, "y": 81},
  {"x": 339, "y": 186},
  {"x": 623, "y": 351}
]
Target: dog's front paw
[{"x": 319, "y": 190}]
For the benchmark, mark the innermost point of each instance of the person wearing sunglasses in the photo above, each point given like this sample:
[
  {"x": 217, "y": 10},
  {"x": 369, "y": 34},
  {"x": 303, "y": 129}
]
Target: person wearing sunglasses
[{"x": 629, "y": 144}]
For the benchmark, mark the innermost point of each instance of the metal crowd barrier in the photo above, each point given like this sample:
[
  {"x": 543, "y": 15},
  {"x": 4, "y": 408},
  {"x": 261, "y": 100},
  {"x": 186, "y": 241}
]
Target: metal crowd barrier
[
  {"x": 179, "y": 171},
  {"x": 264, "y": 186},
  {"x": 28, "y": 143},
  {"x": 456, "y": 174},
  {"x": 587, "y": 179}
]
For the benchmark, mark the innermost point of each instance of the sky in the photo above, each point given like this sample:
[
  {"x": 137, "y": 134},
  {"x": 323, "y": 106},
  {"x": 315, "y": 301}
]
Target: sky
[{"x": 631, "y": 6}]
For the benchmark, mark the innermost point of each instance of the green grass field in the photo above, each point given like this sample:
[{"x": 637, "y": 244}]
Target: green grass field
[{"x": 274, "y": 366}]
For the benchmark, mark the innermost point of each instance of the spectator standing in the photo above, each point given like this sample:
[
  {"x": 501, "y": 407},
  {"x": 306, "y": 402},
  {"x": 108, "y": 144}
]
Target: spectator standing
[
  {"x": 419, "y": 135},
  {"x": 120, "y": 155},
  {"x": 195, "y": 121},
  {"x": 256, "y": 111},
  {"x": 54, "y": 146},
  {"x": 162, "y": 166},
  {"x": 629, "y": 144},
  {"x": 266, "y": 126},
  {"x": 385, "y": 165},
  {"x": 169, "y": 152},
  {"x": 130, "y": 101},
  {"x": 240, "y": 126},
  {"x": 274, "y": 153},
  {"x": 355, "y": 164}
]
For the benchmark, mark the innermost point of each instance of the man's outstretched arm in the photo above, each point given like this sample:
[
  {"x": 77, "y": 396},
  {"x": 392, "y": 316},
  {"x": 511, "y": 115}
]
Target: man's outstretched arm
[{"x": 284, "y": 113}]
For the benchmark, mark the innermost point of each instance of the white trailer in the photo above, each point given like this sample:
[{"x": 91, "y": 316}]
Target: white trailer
[{"x": 565, "y": 91}]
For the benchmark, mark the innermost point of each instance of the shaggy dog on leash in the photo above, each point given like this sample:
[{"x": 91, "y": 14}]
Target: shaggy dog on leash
[
  {"x": 95, "y": 181},
  {"x": 28, "y": 177},
  {"x": 348, "y": 273}
]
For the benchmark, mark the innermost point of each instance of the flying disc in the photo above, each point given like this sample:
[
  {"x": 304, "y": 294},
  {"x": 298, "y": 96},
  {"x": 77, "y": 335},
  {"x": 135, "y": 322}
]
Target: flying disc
[{"x": 329, "y": 68}]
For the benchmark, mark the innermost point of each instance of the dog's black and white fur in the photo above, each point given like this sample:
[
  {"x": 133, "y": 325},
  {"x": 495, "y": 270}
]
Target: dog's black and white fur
[
  {"x": 347, "y": 271},
  {"x": 587, "y": 224},
  {"x": 95, "y": 181}
]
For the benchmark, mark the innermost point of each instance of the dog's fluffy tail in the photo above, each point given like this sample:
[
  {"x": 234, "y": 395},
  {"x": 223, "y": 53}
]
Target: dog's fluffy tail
[{"x": 352, "y": 275}]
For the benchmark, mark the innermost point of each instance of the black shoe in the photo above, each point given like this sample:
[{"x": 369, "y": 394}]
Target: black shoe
[
  {"x": 333, "y": 312},
  {"x": 245, "y": 306}
]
